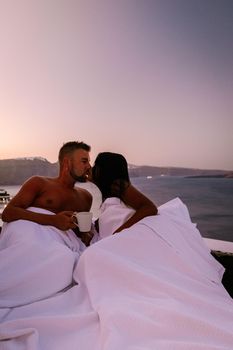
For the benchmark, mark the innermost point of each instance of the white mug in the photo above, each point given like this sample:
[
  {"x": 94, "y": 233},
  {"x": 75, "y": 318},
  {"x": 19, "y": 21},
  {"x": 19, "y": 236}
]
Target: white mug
[{"x": 84, "y": 220}]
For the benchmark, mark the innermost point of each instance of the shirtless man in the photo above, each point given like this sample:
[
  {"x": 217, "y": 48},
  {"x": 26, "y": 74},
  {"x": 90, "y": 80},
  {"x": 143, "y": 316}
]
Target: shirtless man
[{"x": 58, "y": 194}]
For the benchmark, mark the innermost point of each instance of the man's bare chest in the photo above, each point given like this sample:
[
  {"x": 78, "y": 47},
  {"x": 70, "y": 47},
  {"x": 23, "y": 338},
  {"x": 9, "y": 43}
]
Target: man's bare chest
[{"x": 57, "y": 200}]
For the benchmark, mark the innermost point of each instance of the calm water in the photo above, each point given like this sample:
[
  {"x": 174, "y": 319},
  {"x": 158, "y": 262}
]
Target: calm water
[{"x": 209, "y": 200}]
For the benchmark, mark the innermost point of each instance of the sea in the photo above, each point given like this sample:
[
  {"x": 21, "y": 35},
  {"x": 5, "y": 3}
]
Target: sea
[{"x": 209, "y": 200}]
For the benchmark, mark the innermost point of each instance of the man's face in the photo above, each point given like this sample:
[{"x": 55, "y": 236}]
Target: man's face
[{"x": 80, "y": 165}]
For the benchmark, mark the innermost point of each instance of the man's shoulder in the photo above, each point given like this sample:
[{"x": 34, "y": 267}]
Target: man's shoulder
[
  {"x": 42, "y": 179},
  {"x": 39, "y": 181},
  {"x": 85, "y": 197},
  {"x": 83, "y": 191}
]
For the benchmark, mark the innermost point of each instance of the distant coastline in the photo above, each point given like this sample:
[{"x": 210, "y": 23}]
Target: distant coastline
[
  {"x": 223, "y": 176},
  {"x": 17, "y": 171}
]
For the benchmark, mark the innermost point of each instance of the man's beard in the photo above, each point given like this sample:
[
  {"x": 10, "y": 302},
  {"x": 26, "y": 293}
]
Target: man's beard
[{"x": 79, "y": 178}]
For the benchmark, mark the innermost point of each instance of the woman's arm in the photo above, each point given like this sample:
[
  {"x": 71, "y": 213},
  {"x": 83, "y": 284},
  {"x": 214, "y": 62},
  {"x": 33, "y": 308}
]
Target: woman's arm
[{"x": 143, "y": 206}]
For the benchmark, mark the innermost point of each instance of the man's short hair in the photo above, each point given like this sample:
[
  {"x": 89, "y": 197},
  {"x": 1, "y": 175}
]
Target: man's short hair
[{"x": 69, "y": 147}]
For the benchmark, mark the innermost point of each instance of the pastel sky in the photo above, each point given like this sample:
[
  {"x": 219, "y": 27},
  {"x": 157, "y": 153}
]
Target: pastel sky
[{"x": 152, "y": 79}]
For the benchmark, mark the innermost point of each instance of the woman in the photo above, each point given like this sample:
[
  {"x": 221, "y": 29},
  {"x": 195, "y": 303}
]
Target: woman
[{"x": 110, "y": 174}]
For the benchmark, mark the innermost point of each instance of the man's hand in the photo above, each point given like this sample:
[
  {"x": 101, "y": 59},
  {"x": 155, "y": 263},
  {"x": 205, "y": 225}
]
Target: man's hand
[{"x": 65, "y": 220}]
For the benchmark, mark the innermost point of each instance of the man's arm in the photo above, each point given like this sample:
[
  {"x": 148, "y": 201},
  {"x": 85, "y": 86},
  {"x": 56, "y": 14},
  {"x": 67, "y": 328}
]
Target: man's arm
[{"x": 17, "y": 207}]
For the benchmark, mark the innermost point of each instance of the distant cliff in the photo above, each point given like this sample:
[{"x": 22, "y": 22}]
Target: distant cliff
[
  {"x": 174, "y": 171},
  {"x": 16, "y": 171}
]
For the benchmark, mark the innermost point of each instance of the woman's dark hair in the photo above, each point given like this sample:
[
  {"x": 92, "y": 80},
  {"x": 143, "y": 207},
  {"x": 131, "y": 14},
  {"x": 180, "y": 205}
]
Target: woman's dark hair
[{"x": 110, "y": 174}]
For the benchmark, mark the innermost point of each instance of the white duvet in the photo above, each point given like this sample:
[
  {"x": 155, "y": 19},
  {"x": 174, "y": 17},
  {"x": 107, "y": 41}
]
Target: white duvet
[{"x": 152, "y": 286}]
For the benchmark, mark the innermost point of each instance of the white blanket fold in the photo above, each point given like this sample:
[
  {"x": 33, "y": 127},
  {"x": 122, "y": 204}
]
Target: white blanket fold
[
  {"x": 152, "y": 286},
  {"x": 36, "y": 261}
]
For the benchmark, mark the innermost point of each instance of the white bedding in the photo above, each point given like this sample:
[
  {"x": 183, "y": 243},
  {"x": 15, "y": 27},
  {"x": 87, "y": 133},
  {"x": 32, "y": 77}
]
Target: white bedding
[{"x": 153, "y": 286}]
